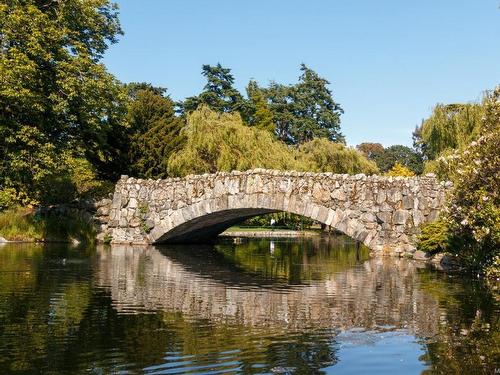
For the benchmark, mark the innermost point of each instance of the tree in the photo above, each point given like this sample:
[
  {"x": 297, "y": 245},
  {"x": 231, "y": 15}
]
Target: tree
[
  {"x": 259, "y": 113},
  {"x": 221, "y": 142},
  {"x": 403, "y": 155},
  {"x": 154, "y": 131},
  {"x": 471, "y": 219},
  {"x": 219, "y": 93},
  {"x": 322, "y": 155},
  {"x": 370, "y": 150},
  {"x": 450, "y": 126},
  {"x": 54, "y": 94},
  {"x": 306, "y": 110},
  {"x": 386, "y": 158}
]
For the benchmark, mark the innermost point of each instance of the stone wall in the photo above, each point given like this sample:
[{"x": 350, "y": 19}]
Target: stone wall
[{"x": 382, "y": 212}]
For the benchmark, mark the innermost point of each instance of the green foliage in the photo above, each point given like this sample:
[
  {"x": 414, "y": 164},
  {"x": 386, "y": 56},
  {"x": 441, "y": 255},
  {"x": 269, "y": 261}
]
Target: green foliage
[
  {"x": 55, "y": 98},
  {"x": 450, "y": 126},
  {"x": 473, "y": 211},
  {"x": 220, "y": 142},
  {"x": 154, "y": 131},
  {"x": 8, "y": 198},
  {"x": 400, "y": 170},
  {"x": 435, "y": 238},
  {"x": 282, "y": 220},
  {"x": 441, "y": 166},
  {"x": 259, "y": 114},
  {"x": 296, "y": 113},
  {"x": 305, "y": 110},
  {"x": 386, "y": 158},
  {"x": 24, "y": 224},
  {"x": 219, "y": 93},
  {"x": 321, "y": 155}
]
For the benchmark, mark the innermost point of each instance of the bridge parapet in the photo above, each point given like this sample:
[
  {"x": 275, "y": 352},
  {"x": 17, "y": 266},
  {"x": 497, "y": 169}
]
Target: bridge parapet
[{"x": 382, "y": 212}]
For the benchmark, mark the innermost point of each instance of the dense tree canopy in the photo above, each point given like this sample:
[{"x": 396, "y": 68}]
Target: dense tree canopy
[
  {"x": 258, "y": 112},
  {"x": 370, "y": 150},
  {"x": 219, "y": 93},
  {"x": 154, "y": 131},
  {"x": 306, "y": 110},
  {"x": 470, "y": 225},
  {"x": 54, "y": 95},
  {"x": 322, "y": 155},
  {"x": 449, "y": 127},
  {"x": 221, "y": 142},
  {"x": 387, "y": 158}
]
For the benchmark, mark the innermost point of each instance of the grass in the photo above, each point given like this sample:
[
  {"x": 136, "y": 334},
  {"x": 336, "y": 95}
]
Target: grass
[
  {"x": 23, "y": 224},
  {"x": 266, "y": 229}
]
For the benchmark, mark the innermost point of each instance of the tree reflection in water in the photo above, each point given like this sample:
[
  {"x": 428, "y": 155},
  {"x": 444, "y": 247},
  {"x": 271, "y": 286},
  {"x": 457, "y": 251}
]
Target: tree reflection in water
[{"x": 252, "y": 307}]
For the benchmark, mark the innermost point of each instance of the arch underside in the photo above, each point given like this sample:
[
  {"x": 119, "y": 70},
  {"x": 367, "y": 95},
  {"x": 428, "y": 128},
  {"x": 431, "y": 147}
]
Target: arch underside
[
  {"x": 205, "y": 220},
  {"x": 205, "y": 228}
]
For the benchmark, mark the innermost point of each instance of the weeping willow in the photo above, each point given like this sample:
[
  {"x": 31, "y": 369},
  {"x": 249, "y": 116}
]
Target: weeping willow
[
  {"x": 322, "y": 155},
  {"x": 221, "y": 142},
  {"x": 451, "y": 126}
]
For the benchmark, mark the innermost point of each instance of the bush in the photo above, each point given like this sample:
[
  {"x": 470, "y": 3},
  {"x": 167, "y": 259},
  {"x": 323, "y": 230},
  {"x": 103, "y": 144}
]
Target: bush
[
  {"x": 400, "y": 170},
  {"x": 8, "y": 198},
  {"x": 434, "y": 238},
  {"x": 472, "y": 213},
  {"x": 63, "y": 224}
]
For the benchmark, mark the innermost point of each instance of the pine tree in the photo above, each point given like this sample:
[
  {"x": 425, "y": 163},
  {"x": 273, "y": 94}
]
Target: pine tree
[
  {"x": 260, "y": 114},
  {"x": 306, "y": 110},
  {"x": 218, "y": 94},
  {"x": 155, "y": 132}
]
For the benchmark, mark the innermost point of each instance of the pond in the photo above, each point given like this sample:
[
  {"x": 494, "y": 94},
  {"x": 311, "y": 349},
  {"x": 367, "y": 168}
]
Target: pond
[{"x": 288, "y": 306}]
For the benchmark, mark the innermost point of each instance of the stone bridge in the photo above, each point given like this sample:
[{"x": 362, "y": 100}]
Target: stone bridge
[{"x": 383, "y": 213}]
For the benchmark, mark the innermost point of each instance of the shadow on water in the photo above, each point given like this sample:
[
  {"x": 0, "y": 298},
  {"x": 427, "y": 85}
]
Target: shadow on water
[
  {"x": 260, "y": 306},
  {"x": 266, "y": 263}
]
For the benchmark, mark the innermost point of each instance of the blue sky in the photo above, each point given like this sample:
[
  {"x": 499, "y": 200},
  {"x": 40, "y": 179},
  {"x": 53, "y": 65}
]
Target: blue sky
[{"x": 389, "y": 61}]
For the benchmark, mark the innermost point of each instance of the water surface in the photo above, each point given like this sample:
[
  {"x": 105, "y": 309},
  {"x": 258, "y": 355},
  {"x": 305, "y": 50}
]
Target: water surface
[{"x": 299, "y": 306}]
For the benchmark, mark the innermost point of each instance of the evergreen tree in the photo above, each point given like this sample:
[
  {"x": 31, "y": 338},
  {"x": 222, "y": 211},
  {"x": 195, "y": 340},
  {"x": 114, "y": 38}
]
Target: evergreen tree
[
  {"x": 154, "y": 131},
  {"x": 218, "y": 94},
  {"x": 259, "y": 113},
  {"x": 306, "y": 110}
]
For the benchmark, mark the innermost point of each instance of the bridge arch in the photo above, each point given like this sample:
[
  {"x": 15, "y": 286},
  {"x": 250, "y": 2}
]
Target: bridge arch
[
  {"x": 204, "y": 220},
  {"x": 382, "y": 212}
]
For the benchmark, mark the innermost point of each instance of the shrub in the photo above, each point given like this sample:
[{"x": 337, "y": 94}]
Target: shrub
[
  {"x": 434, "y": 238},
  {"x": 400, "y": 170},
  {"x": 472, "y": 213},
  {"x": 65, "y": 225}
]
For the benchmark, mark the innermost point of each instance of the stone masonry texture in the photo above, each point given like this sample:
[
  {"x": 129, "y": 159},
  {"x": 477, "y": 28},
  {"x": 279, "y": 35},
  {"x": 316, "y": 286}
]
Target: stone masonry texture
[{"x": 384, "y": 213}]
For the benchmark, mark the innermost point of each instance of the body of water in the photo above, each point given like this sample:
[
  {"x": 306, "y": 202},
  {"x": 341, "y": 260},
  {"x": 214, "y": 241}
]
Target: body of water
[{"x": 296, "y": 306}]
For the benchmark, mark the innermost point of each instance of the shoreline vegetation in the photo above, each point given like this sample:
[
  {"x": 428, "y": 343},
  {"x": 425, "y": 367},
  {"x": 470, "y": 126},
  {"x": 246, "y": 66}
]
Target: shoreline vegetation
[
  {"x": 61, "y": 225},
  {"x": 69, "y": 128}
]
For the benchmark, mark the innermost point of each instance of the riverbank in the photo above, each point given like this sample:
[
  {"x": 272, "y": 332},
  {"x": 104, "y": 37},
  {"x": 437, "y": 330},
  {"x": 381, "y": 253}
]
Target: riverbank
[
  {"x": 62, "y": 224},
  {"x": 268, "y": 233}
]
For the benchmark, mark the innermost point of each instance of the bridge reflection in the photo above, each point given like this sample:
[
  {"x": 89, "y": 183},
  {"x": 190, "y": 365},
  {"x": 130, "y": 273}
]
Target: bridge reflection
[{"x": 222, "y": 288}]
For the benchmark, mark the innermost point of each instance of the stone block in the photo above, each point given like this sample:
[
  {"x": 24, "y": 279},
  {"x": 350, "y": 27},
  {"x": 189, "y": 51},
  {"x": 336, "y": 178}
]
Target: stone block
[{"x": 400, "y": 216}]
